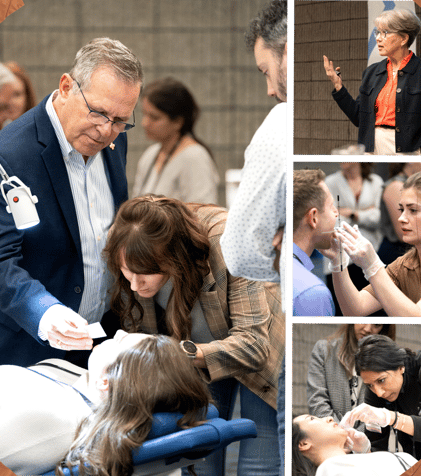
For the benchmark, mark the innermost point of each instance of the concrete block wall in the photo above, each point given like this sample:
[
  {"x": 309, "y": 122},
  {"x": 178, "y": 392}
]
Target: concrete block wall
[
  {"x": 304, "y": 338},
  {"x": 200, "y": 42},
  {"x": 337, "y": 29}
]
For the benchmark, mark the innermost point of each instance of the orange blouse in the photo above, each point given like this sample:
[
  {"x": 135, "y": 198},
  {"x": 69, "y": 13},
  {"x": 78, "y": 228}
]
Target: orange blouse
[{"x": 385, "y": 102}]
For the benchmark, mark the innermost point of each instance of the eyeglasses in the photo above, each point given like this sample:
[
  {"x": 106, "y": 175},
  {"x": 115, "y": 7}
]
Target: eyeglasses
[
  {"x": 100, "y": 119},
  {"x": 382, "y": 33}
]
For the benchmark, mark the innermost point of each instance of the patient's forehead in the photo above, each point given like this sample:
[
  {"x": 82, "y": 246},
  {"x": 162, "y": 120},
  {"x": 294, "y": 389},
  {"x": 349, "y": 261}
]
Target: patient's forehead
[{"x": 301, "y": 418}]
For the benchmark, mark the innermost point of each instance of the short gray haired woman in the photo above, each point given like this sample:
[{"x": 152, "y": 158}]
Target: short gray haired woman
[{"x": 387, "y": 110}]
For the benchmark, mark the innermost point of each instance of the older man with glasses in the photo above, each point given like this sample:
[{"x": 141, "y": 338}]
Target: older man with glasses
[{"x": 71, "y": 151}]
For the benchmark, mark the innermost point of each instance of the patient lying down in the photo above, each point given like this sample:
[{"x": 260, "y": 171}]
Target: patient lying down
[
  {"x": 321, "y": 447},
  {"x": 45, "y": 422}
]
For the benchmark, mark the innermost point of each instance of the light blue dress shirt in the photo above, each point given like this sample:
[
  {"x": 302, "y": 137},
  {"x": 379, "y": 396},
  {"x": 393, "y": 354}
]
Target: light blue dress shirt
[
  {"x": 95, "y": 211},
  {"x": 311, "y": 295}
]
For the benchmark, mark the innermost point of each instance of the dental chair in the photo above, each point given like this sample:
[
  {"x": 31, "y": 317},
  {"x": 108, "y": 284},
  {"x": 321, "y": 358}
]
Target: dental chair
[{"x": 168, "y": 447}]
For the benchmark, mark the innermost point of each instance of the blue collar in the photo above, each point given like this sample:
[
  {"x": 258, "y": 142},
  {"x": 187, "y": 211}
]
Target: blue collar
[{"x": 302, "y": 257}]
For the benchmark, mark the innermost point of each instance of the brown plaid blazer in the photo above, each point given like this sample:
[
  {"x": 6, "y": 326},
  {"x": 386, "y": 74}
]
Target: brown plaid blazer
[{"x": 244, "y": 317}]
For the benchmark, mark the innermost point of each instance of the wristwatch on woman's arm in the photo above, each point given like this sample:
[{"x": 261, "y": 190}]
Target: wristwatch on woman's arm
[{"x": 189, "y": 348}]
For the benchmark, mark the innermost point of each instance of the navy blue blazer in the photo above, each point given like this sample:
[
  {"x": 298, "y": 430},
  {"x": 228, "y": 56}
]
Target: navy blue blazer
[
  {"x": 362, "y": 112},
  {"x": 42, "y": 266}
]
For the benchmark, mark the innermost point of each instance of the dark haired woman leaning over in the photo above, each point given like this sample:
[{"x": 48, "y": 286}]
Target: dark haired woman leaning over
[
  {"x": 392, "y": 377},
  {"x": 171, "y": 279}
]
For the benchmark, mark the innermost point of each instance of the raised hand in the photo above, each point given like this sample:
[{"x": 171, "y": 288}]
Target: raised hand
[{"x": 333, "y": 73}]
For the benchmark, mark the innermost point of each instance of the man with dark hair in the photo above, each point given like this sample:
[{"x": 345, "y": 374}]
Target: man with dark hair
[
  {"x": 314, "y": 220},
  {"x": 252, "y": 241},
  {"x": 70, "y": 152}
]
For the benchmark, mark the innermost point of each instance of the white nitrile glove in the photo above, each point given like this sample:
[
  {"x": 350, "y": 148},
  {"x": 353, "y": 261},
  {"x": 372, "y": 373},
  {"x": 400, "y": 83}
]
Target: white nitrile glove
[
  {"x": 357, "y": 441},
  {"x": 367, "y": 414},
  {"x": 338, "y": 260},
  {"x": 360, "y": 250}
]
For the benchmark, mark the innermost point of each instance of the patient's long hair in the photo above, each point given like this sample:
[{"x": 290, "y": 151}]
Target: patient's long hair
[
  {"x": 158, "y": 235},
  {"x": 301, "y": 466},
  {"x": 153, "y": 376}
]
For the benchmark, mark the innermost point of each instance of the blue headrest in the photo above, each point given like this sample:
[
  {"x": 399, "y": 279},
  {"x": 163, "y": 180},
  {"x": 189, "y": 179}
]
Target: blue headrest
[
  {"x": 189, "y": 444},
  {"x": 165, "y": 423}
]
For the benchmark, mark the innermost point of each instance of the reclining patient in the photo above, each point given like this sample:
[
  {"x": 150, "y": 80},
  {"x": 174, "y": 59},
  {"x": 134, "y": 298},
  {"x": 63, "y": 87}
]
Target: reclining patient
[
  {"x": 105, "y": 412},
  {"x": 320, "y": 447}
]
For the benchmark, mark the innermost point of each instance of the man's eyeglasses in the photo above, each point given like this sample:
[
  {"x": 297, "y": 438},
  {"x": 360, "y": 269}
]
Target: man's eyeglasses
[
  {"x": 100, "y": 119},
  {"x": 382, "y": 33}
]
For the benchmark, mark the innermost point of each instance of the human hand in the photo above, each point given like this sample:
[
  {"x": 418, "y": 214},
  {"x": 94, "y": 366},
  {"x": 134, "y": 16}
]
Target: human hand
[
  {"x": 367, "y": 414},
  {"x": 338, "y": 261},
  {"x": 357, "y": 441},
  {"x": 359, "y": 249},
  {"x": 277, "y": 240},
  {"x": 65, "y": 329},
  {"x": 332, "y": 73}
]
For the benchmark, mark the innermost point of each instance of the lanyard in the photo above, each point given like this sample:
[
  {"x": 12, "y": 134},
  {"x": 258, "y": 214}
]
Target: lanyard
[{"x": 297, "y": 258}]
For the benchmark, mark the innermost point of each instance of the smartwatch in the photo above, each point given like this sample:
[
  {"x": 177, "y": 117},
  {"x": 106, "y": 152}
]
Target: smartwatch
[{"x": 189, "y": 348}]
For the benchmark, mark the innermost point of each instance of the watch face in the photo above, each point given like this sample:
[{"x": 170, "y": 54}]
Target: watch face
[{"x": 189, "y": 347}]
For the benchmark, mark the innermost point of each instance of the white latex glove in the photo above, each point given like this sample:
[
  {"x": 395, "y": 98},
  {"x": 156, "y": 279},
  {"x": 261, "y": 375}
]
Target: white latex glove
[
  {"x": 359, "y": 249},
  {"x": 338, "y": 260},
  {"x": 367, "y": 414},
  {"x": 357, "y": 441},
  {"x": 64, "y": 329}
]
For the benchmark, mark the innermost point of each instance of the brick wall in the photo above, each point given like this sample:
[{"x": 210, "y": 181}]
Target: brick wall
[{"x": 200, "y": 42}]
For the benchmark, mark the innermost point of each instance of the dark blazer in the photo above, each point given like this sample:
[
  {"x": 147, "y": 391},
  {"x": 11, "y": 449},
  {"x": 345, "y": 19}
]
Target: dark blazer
[
  {"x": 362, "y": 113},
  {"x": 408, "y": 403},
  {"x": 42, "y": 265}
]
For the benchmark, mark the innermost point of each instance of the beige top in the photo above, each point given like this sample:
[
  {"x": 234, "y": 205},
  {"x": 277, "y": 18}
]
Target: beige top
[{"x": 190, "y": 175}]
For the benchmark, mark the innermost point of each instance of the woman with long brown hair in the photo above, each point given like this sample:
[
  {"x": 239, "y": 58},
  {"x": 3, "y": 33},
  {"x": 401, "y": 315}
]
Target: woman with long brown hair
[
  {"x": 393, "y": 246},
  {"x": 109, "y": 407},
  {"x": 333, "y": 386},
  {"x": 171, "y": 279},
  {"x": 152, "y": 377},
  {"x": 396, "y": 289}
]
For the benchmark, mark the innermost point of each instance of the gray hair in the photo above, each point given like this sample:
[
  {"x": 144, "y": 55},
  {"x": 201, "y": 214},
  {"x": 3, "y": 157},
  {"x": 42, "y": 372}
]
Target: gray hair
[
  {"x": 401, "y": 21},
  {"x": 271, "y": 26},
  {"x": 6, "y": 76},
  {"x": 105, "y": 52}
]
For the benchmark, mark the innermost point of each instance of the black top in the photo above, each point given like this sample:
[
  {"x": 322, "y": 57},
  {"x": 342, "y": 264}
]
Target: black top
[
  {"x": 361, "y": 111},
  {"x": 408, "y": 403}
]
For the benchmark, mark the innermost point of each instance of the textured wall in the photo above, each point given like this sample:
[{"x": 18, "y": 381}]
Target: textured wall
[
  {"x": 304, "y": 338},
  {"x": 337, "y": 29},
  {"x": 199, "y": 42}
]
